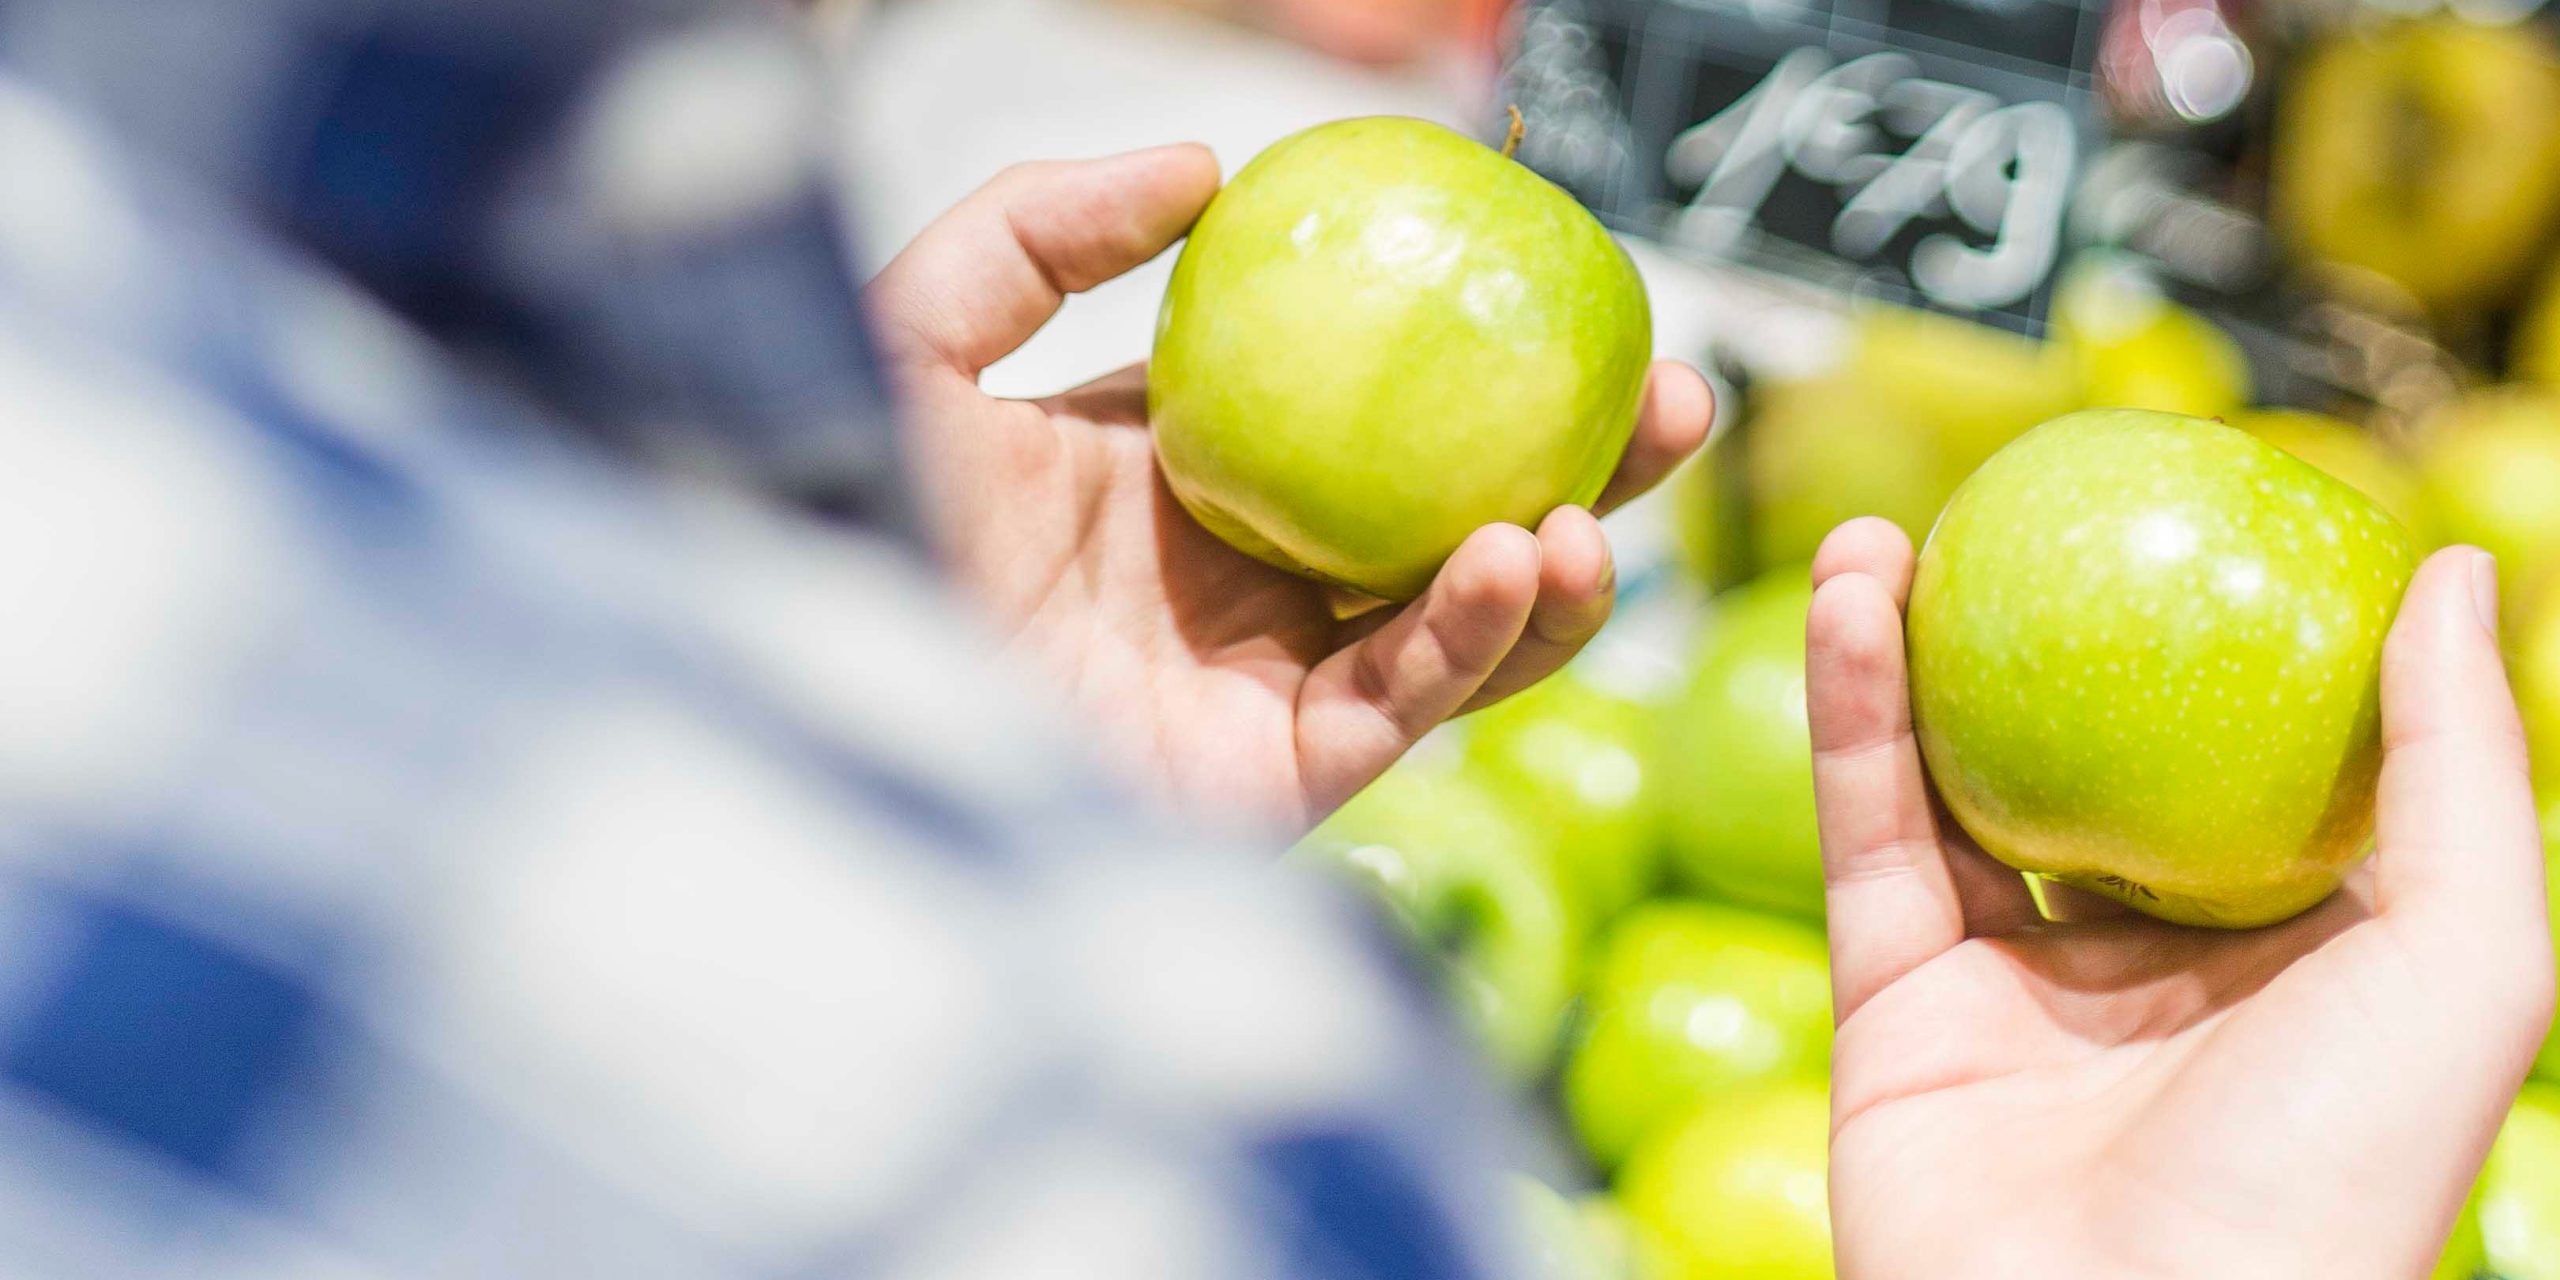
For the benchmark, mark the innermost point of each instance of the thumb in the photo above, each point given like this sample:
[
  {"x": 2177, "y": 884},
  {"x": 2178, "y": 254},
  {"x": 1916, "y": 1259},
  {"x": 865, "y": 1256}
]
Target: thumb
[
  {"x": 987, "y": 274},
  {"x": 2459, "y": 858}
]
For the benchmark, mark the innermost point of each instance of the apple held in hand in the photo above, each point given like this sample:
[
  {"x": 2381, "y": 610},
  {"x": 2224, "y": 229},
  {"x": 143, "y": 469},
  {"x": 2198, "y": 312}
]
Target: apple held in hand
[
  {"x": 1383, "y": 335},
  {"x": 2145, "y": 660},
  {"x": 2344, "y": 451},
  {"x": 1689, "y": 1000},
  {"x": 1736, "y": 769},
  {"x": 1738, "y": 1190},
  {"x": 1475, "y": 895}
]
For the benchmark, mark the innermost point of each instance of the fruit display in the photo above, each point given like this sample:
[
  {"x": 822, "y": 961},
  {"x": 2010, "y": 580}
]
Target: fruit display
[
  {"x": 1688, "y": 1000},
  {"x": 2489, "y": 468},
  {"x": 2424, "y": 156},
  {"x": 1382, "y": 335},
  {"x": 1737, "y": 757},
  {"x": 1736, "y": 1189},
  {"x": 2145, "y": 661},
  {"x": 1575, "y": 760},
  {"x": 2519, "y": 1197}
]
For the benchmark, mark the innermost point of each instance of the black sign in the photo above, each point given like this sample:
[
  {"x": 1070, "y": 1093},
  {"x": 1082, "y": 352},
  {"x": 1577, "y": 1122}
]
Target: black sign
[{"x": 1916, "y": 150}]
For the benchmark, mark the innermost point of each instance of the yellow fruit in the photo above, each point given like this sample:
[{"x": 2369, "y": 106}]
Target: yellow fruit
[
  {"x": 2489, "y": 475},
  {"x": 1970, "y": 387},
  {"x": 2134, "y": 349},
  {"x": 2427, "y": 153}
]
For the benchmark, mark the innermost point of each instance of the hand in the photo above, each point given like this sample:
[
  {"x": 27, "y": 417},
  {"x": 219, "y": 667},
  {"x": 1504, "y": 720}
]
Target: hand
[
  {"x": 2121, "y": 1097},
  {"x": 1232, "y": 684}
]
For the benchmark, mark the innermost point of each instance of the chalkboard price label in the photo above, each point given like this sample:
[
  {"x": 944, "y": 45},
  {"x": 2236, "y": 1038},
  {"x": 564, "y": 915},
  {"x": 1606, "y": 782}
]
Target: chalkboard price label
[{"x": 1922, "y": 151}]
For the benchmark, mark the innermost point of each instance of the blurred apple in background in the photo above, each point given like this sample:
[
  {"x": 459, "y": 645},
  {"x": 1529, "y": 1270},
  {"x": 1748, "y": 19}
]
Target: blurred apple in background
[
  {"x": 2466, "y": 1251},
  {"x": 1970, "y": 388},
  {"x": 2520, "y": 1190},
  {"x": 1736, "y": 770},
  {"x": 1575, "y": 762},
  {"x": 2426, "y": 153},
  {"x": 1383, "y": 335},
  {"x": 2145, "y": 656},
  {"x": 1818, "y": 452},
  {"x": 2533, "y": 664},
  {"x": 1710, "y": 516},
  {"x": 1470, "y": 884},
  {"x": 2135, "y": 349},
  {"x": 1737, "y": 1190},
  {"x": 2346, "y": 452},
  {"x": 2489, "y": 473},
  {"x": 1687, "y": 1001}
]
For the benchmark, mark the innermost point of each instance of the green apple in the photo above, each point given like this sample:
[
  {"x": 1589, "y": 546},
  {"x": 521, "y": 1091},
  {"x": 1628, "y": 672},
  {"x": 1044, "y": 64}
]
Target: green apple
[
  {"x": 2520, "y": 1190},
  {"x": 2546, "y": 1064},
  {"x": 1710, "y": 516},
  {"x": 2533, "y": 661},
  {"x": 1469, "y": 883},
  {"x": 2488, "y": 468},
  {"x": 1381, "y": 336},
  {"x": 2145, "y": 656},
  {"x": 2345, "y": 452},
  {"x": 1970, "y": 387},
  {"x": 1687, "y": 1000},
  {"x": 1824, "y": 451},
  {"x": 1575, "y": 762},
  {"x": 2466, "y": 1251},
  {"x": 2137, "y": 350},
  {"x": 2426, "y": 153},
  {"x": 1736, "y": 1189},
  {"x": 1736, "y": 763}
]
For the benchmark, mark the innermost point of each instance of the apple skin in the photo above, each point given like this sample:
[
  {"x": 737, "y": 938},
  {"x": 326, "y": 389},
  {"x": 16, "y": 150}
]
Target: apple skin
[
  {"x": 1737, "y": 758},
  {"x": 1737, "y": 1189},
  {"x": 1576, "y": 764},
  {"x": 2466, "y": 1251},
  {"x": 2346, "y": 453},
  {"x": 2145, "y": 658},
  {"x": 1383, "y": 335},
  {"x": 1467, "y": 881},
  {"x": 2488, "y": 467},
  {"x": 1686, "y": 1001},
  {"x": 1588, "y": 1239},
  {"x": 2546, "y": 1064},
  {"x": 2520, "y": 1190},
  {"x": 1821, "y": 452},
  {"x": 2137, "y": 350},
  {"x": 2426, "y": 153},
  {"x": 1972, "y": 388},
  {"x": 2533, "y": 662}
]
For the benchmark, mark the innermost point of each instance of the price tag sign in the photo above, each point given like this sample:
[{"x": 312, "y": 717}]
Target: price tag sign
[{"x": 1921, "y": 151}]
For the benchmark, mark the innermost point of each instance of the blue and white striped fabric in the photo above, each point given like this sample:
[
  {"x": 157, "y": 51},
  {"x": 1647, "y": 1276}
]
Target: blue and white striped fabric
[{"x": 433, "y": 842}]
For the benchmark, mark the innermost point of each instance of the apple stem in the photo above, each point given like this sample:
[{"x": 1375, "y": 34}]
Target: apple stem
[{"x": 1518, "y": 127}]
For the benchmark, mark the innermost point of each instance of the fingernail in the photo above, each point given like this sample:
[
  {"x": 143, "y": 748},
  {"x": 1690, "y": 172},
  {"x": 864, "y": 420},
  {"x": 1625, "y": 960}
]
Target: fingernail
[{"x": 2484, "y": 589}]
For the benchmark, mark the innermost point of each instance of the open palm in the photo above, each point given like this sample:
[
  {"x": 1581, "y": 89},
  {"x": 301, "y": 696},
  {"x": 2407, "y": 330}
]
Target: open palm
[
  {"x": 2115, "y": 1096},
  {"x": 1244, "y": 692}
]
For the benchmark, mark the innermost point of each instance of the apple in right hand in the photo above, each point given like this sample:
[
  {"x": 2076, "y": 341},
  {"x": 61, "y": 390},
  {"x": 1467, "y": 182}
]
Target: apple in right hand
[
  {"x": 1687, "y": 1000},
  {"x": 2145, "y": 659}
]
